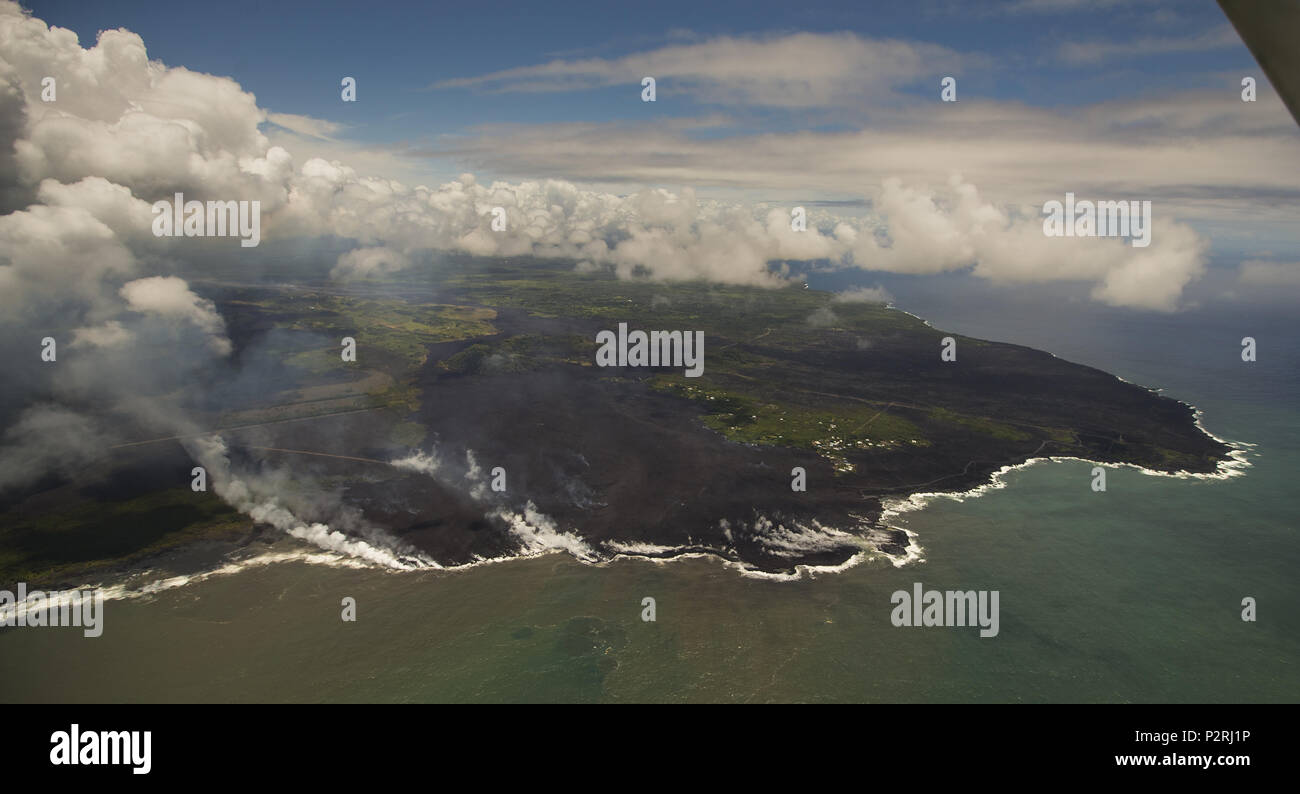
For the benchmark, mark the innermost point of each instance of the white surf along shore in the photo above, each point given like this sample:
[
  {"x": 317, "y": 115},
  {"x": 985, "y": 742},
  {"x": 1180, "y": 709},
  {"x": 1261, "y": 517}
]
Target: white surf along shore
[{"x": 538, "y": 534}]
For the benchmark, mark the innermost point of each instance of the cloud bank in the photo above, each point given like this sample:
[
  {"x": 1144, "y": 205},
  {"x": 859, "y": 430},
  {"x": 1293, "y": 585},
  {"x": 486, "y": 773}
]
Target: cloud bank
[{"x": 79, "y": 175}]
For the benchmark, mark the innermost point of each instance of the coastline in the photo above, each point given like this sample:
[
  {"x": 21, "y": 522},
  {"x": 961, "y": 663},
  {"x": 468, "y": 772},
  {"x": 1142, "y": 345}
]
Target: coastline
[
  {"x": 537, "y": 534},
  {"x": 121, "y": 583}
]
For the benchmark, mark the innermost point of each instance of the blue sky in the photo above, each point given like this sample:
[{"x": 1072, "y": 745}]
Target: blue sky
[{"x": 291, "y": 55}]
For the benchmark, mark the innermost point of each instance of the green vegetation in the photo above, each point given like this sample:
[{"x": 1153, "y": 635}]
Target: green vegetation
[
  {"x": 392, "y": 336},
  {"x": 793, "y": 424},
  {"x": 794, "y": 367},
  {"x": 67, "y": 543},
  {"x": 982, "y": 425},
  {"x": 784, "y": 367},
  {"x": 400, "y": 331}
]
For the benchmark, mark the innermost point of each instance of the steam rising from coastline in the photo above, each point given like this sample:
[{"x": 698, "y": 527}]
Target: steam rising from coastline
[
  {"x": 78, "y": 261},
  {"x": 536, "y": 532},
  {"x": 260, "y": 498}
]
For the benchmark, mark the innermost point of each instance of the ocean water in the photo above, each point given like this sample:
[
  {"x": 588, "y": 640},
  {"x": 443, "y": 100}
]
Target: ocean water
[{"x": 1131, "y": 595}]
